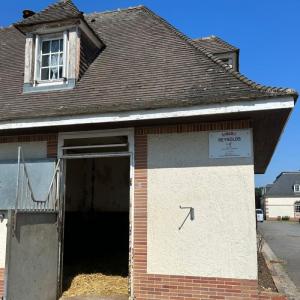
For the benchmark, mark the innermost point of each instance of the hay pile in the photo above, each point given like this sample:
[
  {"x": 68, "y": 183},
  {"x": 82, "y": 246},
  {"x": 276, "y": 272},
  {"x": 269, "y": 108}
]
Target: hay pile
[{"x": 97, "y": 284}]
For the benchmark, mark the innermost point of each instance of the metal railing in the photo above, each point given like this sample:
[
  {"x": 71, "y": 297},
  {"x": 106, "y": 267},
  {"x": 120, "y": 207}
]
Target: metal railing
[{"x": 25, "y": 198}]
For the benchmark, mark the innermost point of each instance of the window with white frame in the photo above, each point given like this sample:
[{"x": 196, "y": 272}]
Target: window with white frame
[
  {"x": 297, "y": 207},
  {"x": 297, "y": 188},
  {"x": 50, "y": 64}
]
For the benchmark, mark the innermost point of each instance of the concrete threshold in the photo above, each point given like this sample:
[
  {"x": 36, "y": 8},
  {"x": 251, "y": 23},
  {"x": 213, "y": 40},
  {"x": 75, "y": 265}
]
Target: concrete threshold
[
  {"x": 281, "y": 279},
  {"x": 95, "y": 298}
]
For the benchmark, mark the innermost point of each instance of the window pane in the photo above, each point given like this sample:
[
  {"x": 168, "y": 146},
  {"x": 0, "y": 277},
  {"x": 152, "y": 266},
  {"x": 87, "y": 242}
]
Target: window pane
[
  {"x": 45, "y": 74},
  {"x": 45, "y": 60},
  {"x": 46, "y": 47},
  {"x": 55, "y": 46},
  {"x": 54, "y": 73},
  {"x": 61, "y": 59},
  {"x": 54, "y": 60},
  {"x": 60, "y": 72},
  {"x": 61, "y": 45}
]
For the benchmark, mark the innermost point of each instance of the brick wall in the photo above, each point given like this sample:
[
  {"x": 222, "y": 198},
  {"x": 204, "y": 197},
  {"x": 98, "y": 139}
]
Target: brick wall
[
  {"x": 49, "y": 137},
  {"x": 1, "y": 283},
  {"x": 155, "y": 286}
]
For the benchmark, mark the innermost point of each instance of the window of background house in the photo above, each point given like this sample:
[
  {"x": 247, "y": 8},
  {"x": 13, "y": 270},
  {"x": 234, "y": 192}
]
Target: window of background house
[
  {"x": 297, "y": 188},
  {"x": 297, "y": 207}
]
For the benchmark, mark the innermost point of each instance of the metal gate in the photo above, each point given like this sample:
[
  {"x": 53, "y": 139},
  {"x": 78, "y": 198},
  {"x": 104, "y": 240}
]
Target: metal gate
[
  {"x": 33, "y": 233},
  {"x": 32, "y": 256}
]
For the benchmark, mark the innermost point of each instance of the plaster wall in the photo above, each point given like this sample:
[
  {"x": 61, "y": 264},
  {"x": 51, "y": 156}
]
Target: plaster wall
[
  {"x": 281, "y": 207},
  {"x": 3, "y": 232},
  {"x": 221, "y": 240},
  {"x": 31, "y": 150}
]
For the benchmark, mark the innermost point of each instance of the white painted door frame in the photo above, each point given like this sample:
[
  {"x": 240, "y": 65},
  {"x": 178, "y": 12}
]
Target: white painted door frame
[{"x": 129, "y": 132}]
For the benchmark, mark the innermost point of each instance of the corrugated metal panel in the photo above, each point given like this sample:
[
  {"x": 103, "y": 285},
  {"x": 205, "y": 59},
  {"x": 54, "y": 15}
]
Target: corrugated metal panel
[{"x": 40, "y": 174}]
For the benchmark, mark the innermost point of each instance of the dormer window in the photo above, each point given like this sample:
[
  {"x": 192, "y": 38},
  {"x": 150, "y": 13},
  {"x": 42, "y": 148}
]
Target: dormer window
[
  {"x": 297, "y": 188},
  {"x": 59, "y": 47},
  {"x": 228, "y": 61},
  {"x": 52, "y": 60}
]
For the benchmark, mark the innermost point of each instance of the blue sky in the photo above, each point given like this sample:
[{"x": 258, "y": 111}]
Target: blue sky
[{"x": 266, "y": 31}]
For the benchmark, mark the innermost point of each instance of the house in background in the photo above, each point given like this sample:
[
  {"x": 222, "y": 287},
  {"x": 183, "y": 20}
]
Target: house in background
[
  {"x": 123, "y": 140},
  {"x": 282, "y": 198}
]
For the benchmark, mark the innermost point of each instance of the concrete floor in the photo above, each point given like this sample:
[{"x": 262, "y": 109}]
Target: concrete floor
[{"x": 284, "y": 240}]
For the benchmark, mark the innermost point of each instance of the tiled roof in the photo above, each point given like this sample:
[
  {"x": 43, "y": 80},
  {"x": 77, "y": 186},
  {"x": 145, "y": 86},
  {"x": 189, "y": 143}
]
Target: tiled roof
[
  {"x": 61, "y": 10},
  {"x": 283, "y": 186},
  {"x": 215, "y": 45},
  {"x": 146, "y": 64}
]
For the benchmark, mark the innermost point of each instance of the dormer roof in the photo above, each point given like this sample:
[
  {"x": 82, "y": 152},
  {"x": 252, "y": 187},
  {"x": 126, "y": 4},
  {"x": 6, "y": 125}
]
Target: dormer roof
[
  {"x": 215, "y": 45},
  {"x": 61, "y": 10}
]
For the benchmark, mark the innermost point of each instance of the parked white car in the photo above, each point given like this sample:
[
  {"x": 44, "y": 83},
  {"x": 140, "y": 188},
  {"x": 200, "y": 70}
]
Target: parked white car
[{"x": 259, "y": 215}]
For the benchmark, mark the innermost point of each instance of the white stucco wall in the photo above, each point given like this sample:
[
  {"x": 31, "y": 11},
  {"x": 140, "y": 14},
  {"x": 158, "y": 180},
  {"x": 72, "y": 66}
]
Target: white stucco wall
[
  {"x": 31, "y": 150},
  {"x": 281, "y": 207},
  {"x": 221, "y": 241},
  {"x": 3, "y": 231}
]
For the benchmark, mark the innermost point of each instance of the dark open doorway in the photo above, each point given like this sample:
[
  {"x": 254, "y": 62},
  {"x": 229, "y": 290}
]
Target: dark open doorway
[{"x": 96, "y": 231}]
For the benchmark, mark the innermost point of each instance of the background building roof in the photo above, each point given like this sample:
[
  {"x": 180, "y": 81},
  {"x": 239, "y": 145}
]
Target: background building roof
[{"x": 283, "y": 185}]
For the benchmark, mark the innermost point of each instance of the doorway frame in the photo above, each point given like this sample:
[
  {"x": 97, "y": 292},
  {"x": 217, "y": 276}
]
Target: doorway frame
[{"x": 129, "y": 132}]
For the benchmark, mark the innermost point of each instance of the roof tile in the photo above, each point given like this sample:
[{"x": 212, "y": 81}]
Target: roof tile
[
  {"x": 63, "y": 9},
  {"x": 215, "y": 45},
  {"x": 146, "y": 64},
  {"x": 283, "y": 186}
]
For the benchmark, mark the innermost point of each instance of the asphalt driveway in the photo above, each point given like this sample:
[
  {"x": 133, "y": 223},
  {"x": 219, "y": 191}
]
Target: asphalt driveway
[{"x": 284, "y": 240}]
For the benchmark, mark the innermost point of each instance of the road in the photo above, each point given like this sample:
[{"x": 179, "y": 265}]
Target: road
[{"x": 284, "y": 240}]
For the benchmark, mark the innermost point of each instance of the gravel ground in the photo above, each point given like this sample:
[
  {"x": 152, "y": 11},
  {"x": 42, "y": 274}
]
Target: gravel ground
[{"x": 265, "y": 280}]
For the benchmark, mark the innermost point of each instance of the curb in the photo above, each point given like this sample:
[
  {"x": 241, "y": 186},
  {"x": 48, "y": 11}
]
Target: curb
[{"x": 281, "y": 279}]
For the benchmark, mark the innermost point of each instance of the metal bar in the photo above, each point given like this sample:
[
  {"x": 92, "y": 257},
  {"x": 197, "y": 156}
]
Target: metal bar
[
  {"x": 18, "y": 177},
  {"x": 191, "y": 214},
  {"x": 94, "y": 146},
  {"x": 51, "y": 183},
  {"x": 95, "y": 155},
  {"x": 24, "y": 192},
  {"x": 17, "y": 191}
]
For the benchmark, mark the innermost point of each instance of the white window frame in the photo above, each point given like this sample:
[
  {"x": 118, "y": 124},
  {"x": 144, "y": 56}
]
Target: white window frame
[
  {"x": 297, "y": 188},
  {"x": 39, "y": 39},
  {"x": 297, "y": 207}
]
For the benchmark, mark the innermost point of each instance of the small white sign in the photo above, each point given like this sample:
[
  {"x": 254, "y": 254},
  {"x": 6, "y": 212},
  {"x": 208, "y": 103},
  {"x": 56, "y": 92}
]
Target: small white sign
[{"x": 230, "y": 143}]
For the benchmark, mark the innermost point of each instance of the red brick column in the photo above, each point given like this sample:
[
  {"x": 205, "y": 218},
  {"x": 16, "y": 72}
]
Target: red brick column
[
  {"x": 1, "y": 283},
  {"x": 155, "y": 286}
]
